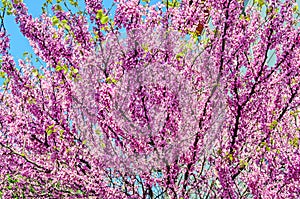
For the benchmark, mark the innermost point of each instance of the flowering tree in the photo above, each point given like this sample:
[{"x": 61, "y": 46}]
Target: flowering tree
[{"x": 199, "y": 99}]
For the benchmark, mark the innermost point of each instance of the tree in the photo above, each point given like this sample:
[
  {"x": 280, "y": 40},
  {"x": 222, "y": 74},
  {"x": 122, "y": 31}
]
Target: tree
[{"x": 166, "y": 111}]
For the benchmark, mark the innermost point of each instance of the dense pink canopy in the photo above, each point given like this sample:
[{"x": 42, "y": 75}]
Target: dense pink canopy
[{"x": 186, "y": 99}]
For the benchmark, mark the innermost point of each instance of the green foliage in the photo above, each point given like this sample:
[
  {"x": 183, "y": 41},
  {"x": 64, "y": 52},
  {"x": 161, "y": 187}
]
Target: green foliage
[
  {"x": 25, "y": 54},
  {"x": 260, "y": 3},
  {"x": 104, "y": 20},
  {"x": 243, "y": 163},
  {"x": 11, "y": 180},
  {"x": 73, "y": 3},
  {"x": 179, "y": 55},
  {"x": 111, "y": 80},
  {"x": 8, "y": 6},
  {"x": 55, "y": 36},
  {"x": 295, "y": 113},
  {"x": 35, "y": 72},
  {"x": 57, "y": 7},
  {"x": 62, "y": 68},
  {"x": 99, "y": 14},
  {"x": 2, "y": 74},
  {"x": 102, "y": 17},
  {"x": 50, "y": 129},
  {"x": 296, "y": 8},
  {"x": 294, "y": 142},
  {"x": 265, "y": 146},
  {"x": 55, "y": 21},
  {"x": 6, "y": 81},
  {"x": 18, "y": 1},
  {"x": 60, "y": 24},
  {"x": 229, "y": 156},
  {"x": 171, "y": 3},
  {"x": 79, "y": 192},
  {"x": 273, "y": 124},
  {"x": 75, "y": 71},
  {"x": 31, "y": 189},
  {"x": 11, "y": 183}
]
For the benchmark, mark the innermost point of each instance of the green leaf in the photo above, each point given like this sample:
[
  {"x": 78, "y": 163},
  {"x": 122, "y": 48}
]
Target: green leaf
[
  {"x": 179, "y": 55},
  {"x": 49, "y": 129},
  {"x": 296, "y": 8},
  {"x": 49, "y": 132},
  {"x": 243, "y": 163},
  {"x": 73, "y": 3},
  {"x": 55, "y": 20},
  {"x": 260, "y": 3},
  {"x": 67, "y": 27},
  {"x": 230, "y": 156},
  {"x": 41, "y": 76},
  {"x": 64, "y": 21},
  {"x": 59, "y": 68},
  {"x": 79, "y": 192},
  {"x": 145, "y": 47},
  {"x": 55, "y": 36},
  {"x": 58, "y": 185},
  {"x": 11, "y": 180},
  {"x": 294, "y": 142},
  {"x": 18, "y": 1},
  {"x": 25, "y": 54},
  {"x": 57, "y": 7},
  {"x": 104, "y": 20},
  {"x": 273, "y": 124},
  {"x": 111, "y": 80},
  {"x": 102, "y": 144},
  {"x": 32, "y": 101},
  {"x": 65, "y": 68},
  {"x": 2, "y": 74},
  {"x": 263, "y": 144},
  {"x": 31, "y": 189},
  {"x": 6, "y": 81},
  {"x": 172, "y": 4},
  {"x": 99, "y": 14},
  {"x": 35, "y": 72},
  {"x": 97, "y": 131}
]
